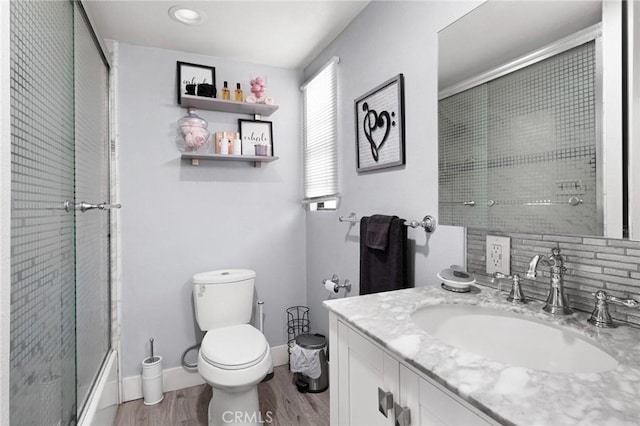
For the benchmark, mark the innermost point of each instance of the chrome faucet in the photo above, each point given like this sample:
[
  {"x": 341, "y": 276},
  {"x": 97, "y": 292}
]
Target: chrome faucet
[
  {"x": 557, "y": 302},
  {"x": 600, "y": 316}
]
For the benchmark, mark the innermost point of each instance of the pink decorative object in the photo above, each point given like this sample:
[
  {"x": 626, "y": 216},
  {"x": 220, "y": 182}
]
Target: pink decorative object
[
  {"x": 194, "y": 132},
  {"x": 258, "y": 87},
  {"x": 194, "y": 137}
]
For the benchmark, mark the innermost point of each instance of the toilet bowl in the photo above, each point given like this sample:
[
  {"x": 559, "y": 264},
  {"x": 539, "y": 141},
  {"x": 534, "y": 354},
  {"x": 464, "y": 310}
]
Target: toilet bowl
[
  {"x": 233, "y": 360},
  {"x": 234, "y": 356}
]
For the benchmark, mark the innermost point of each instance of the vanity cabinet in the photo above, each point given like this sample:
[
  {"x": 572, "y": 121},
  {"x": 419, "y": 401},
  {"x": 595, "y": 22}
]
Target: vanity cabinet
[{"x": 368, "y": 381}]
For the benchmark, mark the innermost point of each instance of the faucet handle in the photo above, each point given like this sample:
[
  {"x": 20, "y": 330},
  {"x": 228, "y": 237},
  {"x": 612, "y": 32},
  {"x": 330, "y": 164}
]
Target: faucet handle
[
  {"x": 600, "y": 316},
  {"x": 516, "y": 295},
  {"x": 498, "y": 276},
  {"x": 629, "y": 303}
]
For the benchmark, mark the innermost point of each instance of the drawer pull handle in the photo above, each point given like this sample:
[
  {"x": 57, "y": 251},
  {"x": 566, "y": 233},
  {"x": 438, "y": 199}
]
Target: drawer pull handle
[
  {"x": 385, "y": 402},
  {"x": 402, "y": 415}
]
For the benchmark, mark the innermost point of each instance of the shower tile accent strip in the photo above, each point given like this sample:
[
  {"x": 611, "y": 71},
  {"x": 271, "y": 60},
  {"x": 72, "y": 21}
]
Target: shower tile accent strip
[{"x": 592, "y": 264}]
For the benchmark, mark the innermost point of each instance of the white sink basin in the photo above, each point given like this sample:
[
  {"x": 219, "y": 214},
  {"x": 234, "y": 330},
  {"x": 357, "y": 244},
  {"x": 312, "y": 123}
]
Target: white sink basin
[{"x": 513, "y": 339}]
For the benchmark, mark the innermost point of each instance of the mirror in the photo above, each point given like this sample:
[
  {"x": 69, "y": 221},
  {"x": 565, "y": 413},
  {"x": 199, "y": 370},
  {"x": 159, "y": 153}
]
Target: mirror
[{"x": 521, "y": 120}]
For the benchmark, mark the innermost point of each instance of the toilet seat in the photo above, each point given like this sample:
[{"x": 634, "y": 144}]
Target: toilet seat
[{"x": 235, "y": 347}]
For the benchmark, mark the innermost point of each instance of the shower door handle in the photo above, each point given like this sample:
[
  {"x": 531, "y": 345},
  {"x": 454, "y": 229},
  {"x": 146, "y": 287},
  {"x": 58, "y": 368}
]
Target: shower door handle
[{"x": 84, "y": 206}]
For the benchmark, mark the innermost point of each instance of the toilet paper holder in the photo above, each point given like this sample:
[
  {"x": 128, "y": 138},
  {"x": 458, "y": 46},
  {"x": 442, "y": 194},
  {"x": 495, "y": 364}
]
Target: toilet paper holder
[{"x": 336, "y": 284}]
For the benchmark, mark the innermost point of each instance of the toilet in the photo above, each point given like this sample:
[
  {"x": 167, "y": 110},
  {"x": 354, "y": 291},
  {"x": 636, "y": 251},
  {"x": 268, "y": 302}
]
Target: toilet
[{"x": 234, "y": 356}]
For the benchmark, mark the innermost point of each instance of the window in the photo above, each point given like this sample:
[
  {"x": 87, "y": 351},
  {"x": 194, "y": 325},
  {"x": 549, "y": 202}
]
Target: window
[{"x": 320, "y": 139}]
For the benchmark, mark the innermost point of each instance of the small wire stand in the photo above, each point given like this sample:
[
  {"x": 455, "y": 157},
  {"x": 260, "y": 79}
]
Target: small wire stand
[{"x": 297, "y": 322}]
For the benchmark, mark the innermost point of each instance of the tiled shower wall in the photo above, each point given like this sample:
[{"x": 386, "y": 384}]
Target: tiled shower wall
[
  {"x": 592, "y": 264},
  {"x": 521, "y": 146}
]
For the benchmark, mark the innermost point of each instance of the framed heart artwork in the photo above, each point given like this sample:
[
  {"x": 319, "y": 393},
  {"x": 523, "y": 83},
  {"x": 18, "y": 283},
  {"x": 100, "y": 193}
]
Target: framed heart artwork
[{"x": 380, "y": 126}]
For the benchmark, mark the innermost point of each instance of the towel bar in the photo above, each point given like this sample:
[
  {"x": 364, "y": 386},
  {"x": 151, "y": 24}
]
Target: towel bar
[{"x": 428, "y": 222}]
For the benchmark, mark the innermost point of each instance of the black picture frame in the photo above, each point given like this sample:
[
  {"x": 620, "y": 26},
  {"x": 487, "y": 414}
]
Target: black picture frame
[
  {"x": 256, "y": 132},
  {"x": 188, "y": 73},
  {"x": 379, "y": 116}
]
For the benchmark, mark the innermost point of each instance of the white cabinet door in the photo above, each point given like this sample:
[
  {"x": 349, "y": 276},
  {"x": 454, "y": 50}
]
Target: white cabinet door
[
  {"x": 430, "y": 404},
  {"x": 364, "y": 368},
  {"x": 361, "y": 369}
]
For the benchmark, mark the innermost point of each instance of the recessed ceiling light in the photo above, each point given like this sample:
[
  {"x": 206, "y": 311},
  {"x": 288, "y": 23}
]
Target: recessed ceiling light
[{"x": 186, "y": 15}]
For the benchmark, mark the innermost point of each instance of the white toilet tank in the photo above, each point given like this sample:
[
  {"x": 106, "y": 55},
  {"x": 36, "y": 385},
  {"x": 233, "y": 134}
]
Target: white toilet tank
[{"x": 222, "y": 298}]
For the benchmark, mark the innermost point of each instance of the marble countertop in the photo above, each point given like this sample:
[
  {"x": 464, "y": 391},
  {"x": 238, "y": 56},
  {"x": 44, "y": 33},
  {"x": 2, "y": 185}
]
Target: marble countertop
[{"x": 509, "y": 394}]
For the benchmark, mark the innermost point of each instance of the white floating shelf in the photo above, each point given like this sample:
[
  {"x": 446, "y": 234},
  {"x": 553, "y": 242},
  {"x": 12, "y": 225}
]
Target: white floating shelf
[
  {"x": 257, "y": 160},
  {"x": 215, "y": 104}
]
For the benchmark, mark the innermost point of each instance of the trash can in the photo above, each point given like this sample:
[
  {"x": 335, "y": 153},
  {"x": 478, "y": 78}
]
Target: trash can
[{"x": 305, "y": 383}]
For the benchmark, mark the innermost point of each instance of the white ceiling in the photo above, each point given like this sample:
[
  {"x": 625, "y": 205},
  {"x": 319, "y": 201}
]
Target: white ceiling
[
  {"x": 286, "y": 34},
  {"x": 498, "y": 32}
]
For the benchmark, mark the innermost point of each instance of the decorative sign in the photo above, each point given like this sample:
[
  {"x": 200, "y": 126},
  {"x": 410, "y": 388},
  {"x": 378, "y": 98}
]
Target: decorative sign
[
  {"x": 380, "y": 126},
  {"x": 257, "y": 137},
  {"x": 191, "y": 75}
]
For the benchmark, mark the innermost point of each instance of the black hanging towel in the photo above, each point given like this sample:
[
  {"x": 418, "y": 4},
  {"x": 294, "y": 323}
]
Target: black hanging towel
[{"x": 383, "y": 254}]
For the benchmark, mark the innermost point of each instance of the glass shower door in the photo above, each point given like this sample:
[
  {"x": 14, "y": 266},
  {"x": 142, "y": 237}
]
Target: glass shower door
[
  {"x": 92, "y": 186},
  {"x": 42, "y": 359},
  {"x": 60, "y": 294}
]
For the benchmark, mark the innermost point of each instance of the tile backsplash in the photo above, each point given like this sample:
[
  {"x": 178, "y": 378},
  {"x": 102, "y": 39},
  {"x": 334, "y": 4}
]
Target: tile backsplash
[{"x": 592, "y": 263}]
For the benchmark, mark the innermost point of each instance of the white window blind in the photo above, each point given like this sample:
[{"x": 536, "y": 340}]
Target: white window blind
[{"x": 320, "y": 135}]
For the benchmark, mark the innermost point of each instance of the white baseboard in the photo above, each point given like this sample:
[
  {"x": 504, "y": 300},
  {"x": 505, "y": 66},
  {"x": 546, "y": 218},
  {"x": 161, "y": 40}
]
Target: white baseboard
[
  {"x": 179, "y": 378},
  {"x": 172, "y": 379},
  {"x": 280, "y": 355}
]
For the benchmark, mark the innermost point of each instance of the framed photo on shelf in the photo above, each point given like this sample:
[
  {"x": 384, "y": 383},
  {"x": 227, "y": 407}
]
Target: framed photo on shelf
[
  {"x": 257, "y": 137},
  {"x": 189, "y": 76},
  {"x": 379, "y": 116}
]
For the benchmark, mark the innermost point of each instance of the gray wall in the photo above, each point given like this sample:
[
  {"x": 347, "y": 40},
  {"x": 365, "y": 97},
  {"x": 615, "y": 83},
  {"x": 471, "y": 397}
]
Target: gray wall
[
  {"x": 386, "y": 39},
  {"x": 178, "y": 220}
]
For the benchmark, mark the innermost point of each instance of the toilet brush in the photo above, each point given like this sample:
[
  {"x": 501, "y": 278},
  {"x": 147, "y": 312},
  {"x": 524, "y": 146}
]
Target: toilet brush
[
  {"x": 152, "y": 358},
  {"x": 152, "y": 378}
]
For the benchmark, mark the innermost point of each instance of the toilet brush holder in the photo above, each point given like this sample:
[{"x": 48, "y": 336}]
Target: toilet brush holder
[{"x": 152, "y": 380}]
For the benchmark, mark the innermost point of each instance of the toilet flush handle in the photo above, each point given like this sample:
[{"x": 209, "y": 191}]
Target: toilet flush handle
[{"x": 260, "y": 316}]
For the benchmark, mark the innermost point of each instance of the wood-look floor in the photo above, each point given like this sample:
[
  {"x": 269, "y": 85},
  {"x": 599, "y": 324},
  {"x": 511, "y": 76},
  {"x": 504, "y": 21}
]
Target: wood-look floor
[{"x": 280, "y": 404}]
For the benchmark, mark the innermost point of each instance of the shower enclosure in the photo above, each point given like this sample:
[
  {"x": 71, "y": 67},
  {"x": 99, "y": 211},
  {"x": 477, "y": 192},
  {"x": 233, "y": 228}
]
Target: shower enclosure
[{"x": 60, "y": 249}]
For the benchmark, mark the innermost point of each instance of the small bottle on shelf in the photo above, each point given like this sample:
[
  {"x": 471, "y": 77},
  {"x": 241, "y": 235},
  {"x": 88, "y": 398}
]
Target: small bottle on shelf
[
  {"x": 238, "y": 93},
  {"x": 224, "y": 144},
  {"x": 226, "y": 93},
  {"x": 237, "y": 145}
]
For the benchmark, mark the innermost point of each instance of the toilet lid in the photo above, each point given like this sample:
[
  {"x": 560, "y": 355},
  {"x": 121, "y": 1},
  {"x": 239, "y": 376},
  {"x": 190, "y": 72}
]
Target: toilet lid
[
  {"x": 234, "y": 347},
  {"x": 223, "y": 276}
]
